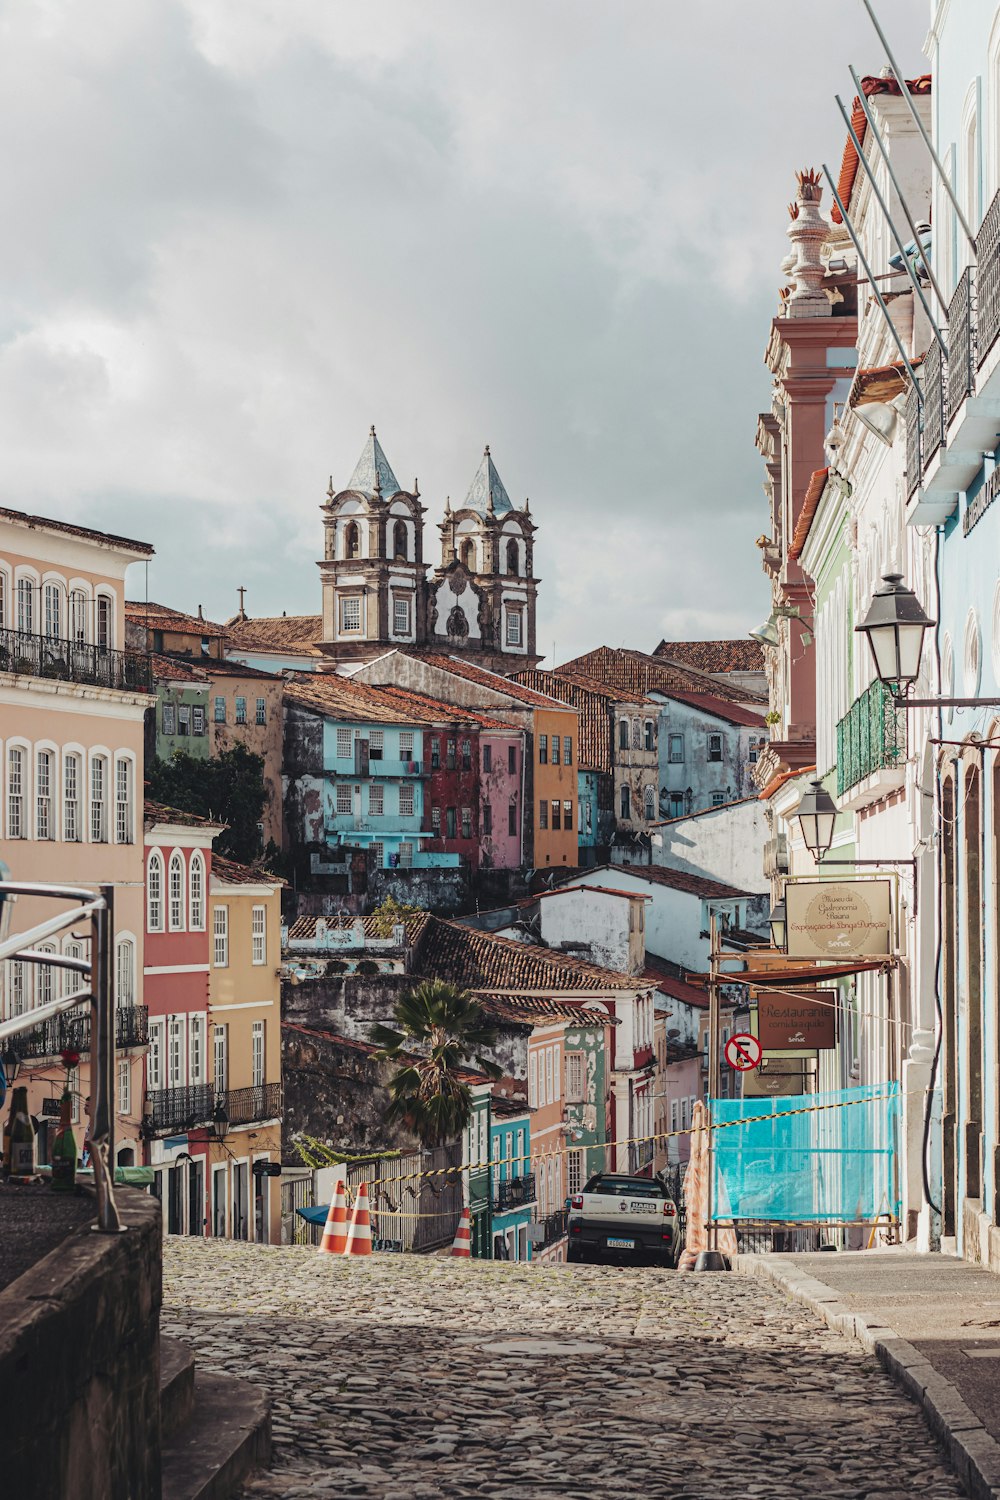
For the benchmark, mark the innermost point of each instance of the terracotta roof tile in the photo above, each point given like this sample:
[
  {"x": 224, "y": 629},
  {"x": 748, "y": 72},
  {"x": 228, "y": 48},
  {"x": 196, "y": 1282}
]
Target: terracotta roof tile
[
  {"x": 45, "y": 523},
  {"x": 162, "y": 617},
  {"x": 810, "y": 504},
  {"x": 295, "y": 634},
  {"x": 492, "y": 680},
  {"x": 229, "y": 872},
  {"x": 678, "y": 880},
  {"x": 158, "y": 812},
  {"x": 704, "y": 812},
  {"x": 849, "y": 163},
  {"x": 714, "y": 656},
  {"x": 305, "y": 927},
  {"x": 733, "y": 713},
  {"x": 594, "y": 701},
  {"x": 329, "y": 693},
  {"x": 635, "y": 672},
  {"x": 881, "y": 383},
  {"x": 176, "y": 669},
  {"x": 534, "y": 1010},
  {"x": 483, "y": 961},
  {"x": 214, "y": 667}
]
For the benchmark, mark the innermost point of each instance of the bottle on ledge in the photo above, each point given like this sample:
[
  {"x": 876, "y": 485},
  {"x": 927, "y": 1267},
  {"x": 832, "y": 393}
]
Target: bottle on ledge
[
  {"x": 64, "y": 1148},
  {"x": 22, "y": 1137}
]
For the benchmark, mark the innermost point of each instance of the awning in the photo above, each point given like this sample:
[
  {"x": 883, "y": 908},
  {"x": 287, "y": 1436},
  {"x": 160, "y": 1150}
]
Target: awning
[{"x": 811, "y": 973}]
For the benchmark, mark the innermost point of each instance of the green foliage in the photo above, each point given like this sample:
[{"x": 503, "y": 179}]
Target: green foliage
[
  {"x": 228, "y": 788},
  {"x": 392, "y": 913},
  {"x": 441, "y": 1032},
  {"x": 313, "y": 1153}
]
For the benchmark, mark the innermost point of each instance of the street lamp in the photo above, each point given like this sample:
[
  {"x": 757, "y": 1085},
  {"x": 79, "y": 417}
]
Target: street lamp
[
  {"x": 778, "y": 923},
  {"x": 895, "y": 626},
  {"x": 817, "y": 815},
  {"x": 220, "y": 1121}
]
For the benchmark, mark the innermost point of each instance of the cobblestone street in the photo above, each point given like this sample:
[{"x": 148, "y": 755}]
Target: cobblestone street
[{"x": 412, "y": 1376}]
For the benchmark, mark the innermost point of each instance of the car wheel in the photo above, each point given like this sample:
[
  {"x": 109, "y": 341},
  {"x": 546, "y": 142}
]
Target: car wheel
[{"x": 574, "y": 1255}]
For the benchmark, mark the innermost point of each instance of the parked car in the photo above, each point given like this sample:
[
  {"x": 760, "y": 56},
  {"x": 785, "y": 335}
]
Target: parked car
[{"x": 623, "y": 1218}]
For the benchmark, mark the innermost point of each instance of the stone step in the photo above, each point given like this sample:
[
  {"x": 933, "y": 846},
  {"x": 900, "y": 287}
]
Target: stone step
[
  {"x": 176, "y": 1385},
  {"x": 227, "y": 1435}
]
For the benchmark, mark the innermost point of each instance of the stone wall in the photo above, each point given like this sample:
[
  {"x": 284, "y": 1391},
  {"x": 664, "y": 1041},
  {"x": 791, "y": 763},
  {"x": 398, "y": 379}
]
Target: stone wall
[{"x": 80, "y": 1365}]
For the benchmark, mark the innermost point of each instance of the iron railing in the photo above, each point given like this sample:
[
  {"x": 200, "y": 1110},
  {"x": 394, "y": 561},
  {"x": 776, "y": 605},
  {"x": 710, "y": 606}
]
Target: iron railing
[
  {"x": 262, "y": 1101},
  {"x": 72, "y": 1031},
  {"x": 988, "y": 281},
  {"x": 870, "y": 737},
  {"x": 514, "y": 1192},
  {"x": 961, "y": 343},
  {"x": 179, "y": 1109},
  {"x": 554, "y": 1226},
  {"x": 32, "y": 655},
  {"x": 935, "y": 382},
  {"x": 911, "y": 415},
  {"x": 640, "y": 1155}
]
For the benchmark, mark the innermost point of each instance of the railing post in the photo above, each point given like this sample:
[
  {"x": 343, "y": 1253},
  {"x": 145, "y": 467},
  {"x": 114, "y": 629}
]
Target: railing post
[{"x": 102, "y": 1062}]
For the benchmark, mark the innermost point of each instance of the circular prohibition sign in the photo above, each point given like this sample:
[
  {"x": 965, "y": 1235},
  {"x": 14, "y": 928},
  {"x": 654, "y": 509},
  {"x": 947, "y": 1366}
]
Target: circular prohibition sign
[{"x": 743, "y": 1052}]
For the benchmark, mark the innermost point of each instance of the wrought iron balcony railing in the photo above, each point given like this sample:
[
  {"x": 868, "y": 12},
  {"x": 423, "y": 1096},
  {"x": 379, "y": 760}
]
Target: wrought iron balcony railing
[
  {"x": 555, "y": 1227},
  {"x": 870, "y": 737},
  {"x": 961, "y": 343},
  {"x": 262, "y": 1101},
  {"x": 935, "y": 383},
  {"x": 640, "y": 1156},
  {"x": 33, "y": 655},
  {"x": 72, "y": 1030},
  {"x": 179, "y": 1109},
  {"x": 911, "y": 416},
  {"x": 514, "y": 1192},
  {"x": 988, "y": 281}
]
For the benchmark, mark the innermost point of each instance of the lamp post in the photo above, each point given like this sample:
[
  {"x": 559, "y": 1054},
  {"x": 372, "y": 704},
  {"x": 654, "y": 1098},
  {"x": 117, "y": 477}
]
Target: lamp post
[
  {"x": 895, "y": 626},
  {"x": 220, "y": 1121},
  {"x": 817, "y": 815},
  {"x": 778, "y": 924}
]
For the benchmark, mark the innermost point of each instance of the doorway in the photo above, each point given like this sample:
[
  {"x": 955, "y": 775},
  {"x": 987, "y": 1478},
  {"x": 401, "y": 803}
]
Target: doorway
[
  {"x": 219, "y": 1202},
  {"x": 241, "y": 1201}
]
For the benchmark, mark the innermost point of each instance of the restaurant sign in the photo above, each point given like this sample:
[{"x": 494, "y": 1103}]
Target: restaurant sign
[
  {"x": 840, "y": 919},
  {"x": 787, "y": 1022}
]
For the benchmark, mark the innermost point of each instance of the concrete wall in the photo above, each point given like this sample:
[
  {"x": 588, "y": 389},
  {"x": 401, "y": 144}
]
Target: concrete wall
[
  {"x": 80, "y": 1365},
  {"x": 609, "y": 927},
  {"x": 724, "y": 844}
]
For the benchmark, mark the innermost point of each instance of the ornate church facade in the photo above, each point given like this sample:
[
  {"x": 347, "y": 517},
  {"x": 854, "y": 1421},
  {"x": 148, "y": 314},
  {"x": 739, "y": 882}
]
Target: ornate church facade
[{"x": 379, "y": 592}]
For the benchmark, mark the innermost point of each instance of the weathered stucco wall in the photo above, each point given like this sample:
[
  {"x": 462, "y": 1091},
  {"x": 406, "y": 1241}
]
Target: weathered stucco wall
[
  {"x": 80, "y": 1365},
  {"x": 725, "y": 844}
]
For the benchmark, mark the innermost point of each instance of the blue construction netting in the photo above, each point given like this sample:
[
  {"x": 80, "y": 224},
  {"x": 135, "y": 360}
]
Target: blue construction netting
[{"x": 802, "y": 1164}]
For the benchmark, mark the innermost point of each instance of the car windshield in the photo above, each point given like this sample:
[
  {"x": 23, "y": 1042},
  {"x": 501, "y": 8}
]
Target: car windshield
[{"x": 626, "y": 1187}]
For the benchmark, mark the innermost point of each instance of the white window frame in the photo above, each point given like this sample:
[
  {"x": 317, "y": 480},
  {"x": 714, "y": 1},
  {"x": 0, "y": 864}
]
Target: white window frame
[
  {"x": 124, "y": 1086},
  {"x": 45, "y": 782},
  {"x": 155, "y": 884},
  {"x": 124, "y": 972},
  {"x": 18, "y": 784},
  {"x": 155, "y": 1057},
  {"x": 196, "y": 892},
  {"x": 220, "y": 937},
  {"x": 257, "y": 1057},
  {"x": 196, "y": 1048},
  {"x": 515, "y": 621},
  {"x": 344, "y": 799},
  {"x": 98, "y": 802},
  {"x": 533, "y": 1100},
  {"x": 72, "y": 771},
  {"x": 376, "y": 799},
  {"x": 345, "y": 744},
  {"x": 406, "y": 800},
  {"x": 258, "y": 928},
  {"x": 176, "y": 892},
  {"x": 350, "y": 614},
  {"x": 176, "y": 1052},
  {"x": 220, "y": 1058},
  {"x": 124, "y": 799}
]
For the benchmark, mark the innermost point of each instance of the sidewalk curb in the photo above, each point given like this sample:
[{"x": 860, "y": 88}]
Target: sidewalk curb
[{"x": 974, "y": 1454}]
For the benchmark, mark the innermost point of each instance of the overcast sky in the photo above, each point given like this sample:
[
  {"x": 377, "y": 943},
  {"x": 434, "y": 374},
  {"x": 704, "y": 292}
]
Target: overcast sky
[{"x": 237, "y": 232}]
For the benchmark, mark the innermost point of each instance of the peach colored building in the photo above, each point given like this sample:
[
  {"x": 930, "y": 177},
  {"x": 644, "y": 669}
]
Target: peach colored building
[
  {"x": 245, "y": 1057},
  {"x": 72, "y": 702}
]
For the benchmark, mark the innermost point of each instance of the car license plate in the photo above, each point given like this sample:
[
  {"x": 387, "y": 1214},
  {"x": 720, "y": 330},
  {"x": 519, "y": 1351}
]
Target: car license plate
[
  {"x": 644, "y": 1208},
  {"x": 616, "y": 1244}
]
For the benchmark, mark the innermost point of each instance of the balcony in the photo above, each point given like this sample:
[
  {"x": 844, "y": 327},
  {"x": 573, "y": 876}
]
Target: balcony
[
  {"x": 988, "y": 280},
  {"x": 72, "y": 1030},
  {"x": 961, "y": 344},
  {"x": 640, "y": 1156},
  {"x": 514, "y": 1192},
  {"x": 554, "y": 1228},
  {"x": 174, "y": 1111},
  {"x": 247, "y": 1106},
  {"x": 74, "y": 661},
  {"x": 871, "y": 739}
]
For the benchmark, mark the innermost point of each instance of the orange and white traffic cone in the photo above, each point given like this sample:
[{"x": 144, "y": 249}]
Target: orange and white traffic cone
[
  {"x": 462, "y": 1246},
  {"x": 335, "y": 1230},
  {"x": 359, "y": 1235}
]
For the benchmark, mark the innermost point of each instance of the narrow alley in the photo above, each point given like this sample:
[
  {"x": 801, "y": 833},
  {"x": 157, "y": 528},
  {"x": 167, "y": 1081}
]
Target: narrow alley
[{"x": 414, "y": 1376}]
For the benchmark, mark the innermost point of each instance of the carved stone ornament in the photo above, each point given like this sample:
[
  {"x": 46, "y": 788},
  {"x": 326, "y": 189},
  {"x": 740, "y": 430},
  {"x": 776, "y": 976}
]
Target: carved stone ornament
[
  {"x": 808, "y": 232},
  {"x": 458, "y": 625},
  {"x": 458, "y": 583}
]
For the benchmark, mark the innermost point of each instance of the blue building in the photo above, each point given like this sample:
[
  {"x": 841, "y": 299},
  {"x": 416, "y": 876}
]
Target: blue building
[
  {"x": 513, "y": 1180},
  {"x": 356, "y": 772}
]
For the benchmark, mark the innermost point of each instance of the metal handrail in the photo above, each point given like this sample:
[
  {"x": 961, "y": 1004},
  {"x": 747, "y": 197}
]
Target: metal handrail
[{"x": 98, "y": 968}]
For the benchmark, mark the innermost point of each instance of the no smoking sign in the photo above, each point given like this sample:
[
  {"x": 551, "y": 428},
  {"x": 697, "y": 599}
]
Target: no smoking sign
[{"x": 743, "y": 1052}]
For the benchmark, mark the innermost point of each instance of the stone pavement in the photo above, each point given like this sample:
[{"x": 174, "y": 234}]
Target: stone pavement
[
  {"x": 400, "y": 1376},
  {"x": 934, "y": 1322}
]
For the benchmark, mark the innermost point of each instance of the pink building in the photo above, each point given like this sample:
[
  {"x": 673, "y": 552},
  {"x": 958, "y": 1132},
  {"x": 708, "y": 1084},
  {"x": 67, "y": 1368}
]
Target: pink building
[{"x": 501, "y": 797}]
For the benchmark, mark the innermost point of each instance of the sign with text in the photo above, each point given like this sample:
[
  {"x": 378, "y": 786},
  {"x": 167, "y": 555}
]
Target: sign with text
[
  {"x": 838, "y": 918},
  {"x": 790, "y": 1022},
  {"x": 777, "y": 1077}
]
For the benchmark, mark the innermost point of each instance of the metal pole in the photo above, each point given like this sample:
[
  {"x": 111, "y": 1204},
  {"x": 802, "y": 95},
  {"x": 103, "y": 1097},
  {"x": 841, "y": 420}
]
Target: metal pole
[
  {"x": 875, "y": 291},
  {"x": 714, "y": 1041},
  {"x": 866, "y": 164},
  {"x": 102, "y": 1062},
  {"x": 877, "y": 136},
  {"x": 920, "y": 126}
]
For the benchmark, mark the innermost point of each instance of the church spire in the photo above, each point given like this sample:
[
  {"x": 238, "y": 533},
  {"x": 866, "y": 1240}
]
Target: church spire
[
  {"x": 486, "y": 492},
  {"x": 373, "y": 475}
]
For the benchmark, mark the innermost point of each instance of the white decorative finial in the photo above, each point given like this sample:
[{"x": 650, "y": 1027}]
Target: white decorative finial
[{"x": 808, "y": 232}]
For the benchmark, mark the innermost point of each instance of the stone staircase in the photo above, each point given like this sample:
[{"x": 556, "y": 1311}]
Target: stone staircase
[{"x": 215, "y": 1430}]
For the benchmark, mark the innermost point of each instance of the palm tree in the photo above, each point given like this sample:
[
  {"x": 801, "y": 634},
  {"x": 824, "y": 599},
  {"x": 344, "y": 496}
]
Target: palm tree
[{"x": 441, "y": 1031}]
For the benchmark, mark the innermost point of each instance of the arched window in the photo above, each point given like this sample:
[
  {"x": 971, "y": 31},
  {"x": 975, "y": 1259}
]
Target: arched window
[
  {"x": 399, "y": 541},
  {"x": 175, "y": 891},
  {"x": 25, "y": 605},
  {"x": 105, "y": 622},
  {"x": 636, "y": 735},
  {"x": 154, "y": 892},
  {"x": 468, "y": 555},
  {"x": 352, "y": 540},
  {"x": 52, "y": 599},
  {"x": 649, "y": 796},
  {"x": 623, "y": 734},
  {"x": 626, "y": 802},
  {"x": 99, "y": 800},
  {"x": 125, "y": 973},
  {"x": 512, "y": 558},
  {"x": 196, "y": 893},
  {"x": 78, "y": 616}
]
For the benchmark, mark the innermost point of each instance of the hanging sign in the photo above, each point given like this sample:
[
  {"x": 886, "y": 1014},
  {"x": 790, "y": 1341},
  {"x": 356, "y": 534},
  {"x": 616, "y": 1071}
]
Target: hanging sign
[
  {"x": 776, "y": 1077},
  {"x": 790, "y": 1022},
  {"x": 743, "y": 1051},
  {"x": 838, "y": 918}
]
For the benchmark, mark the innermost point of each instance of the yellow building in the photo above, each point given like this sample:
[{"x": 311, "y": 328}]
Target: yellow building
[{"x": 245, "y": 1029}]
